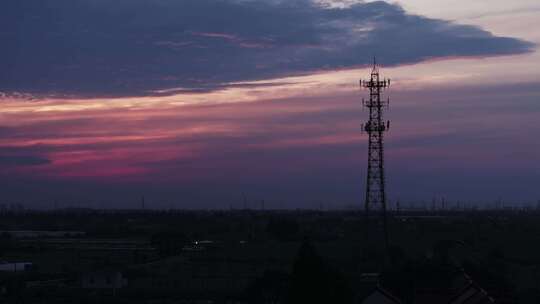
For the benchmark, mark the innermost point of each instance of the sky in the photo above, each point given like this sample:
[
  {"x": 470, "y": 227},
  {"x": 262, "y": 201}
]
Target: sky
[{"x": 209, "y": 104}]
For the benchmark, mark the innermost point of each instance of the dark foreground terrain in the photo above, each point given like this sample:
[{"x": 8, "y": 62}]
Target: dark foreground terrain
[{"x": 247, "y": 256}]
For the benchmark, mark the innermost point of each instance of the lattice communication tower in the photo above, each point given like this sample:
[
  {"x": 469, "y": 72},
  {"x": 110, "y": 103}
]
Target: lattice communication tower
[{"x": 375, "y": 199}]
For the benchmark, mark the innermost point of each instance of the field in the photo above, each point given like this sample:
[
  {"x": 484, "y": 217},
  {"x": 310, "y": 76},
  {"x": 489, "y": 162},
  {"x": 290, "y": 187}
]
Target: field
[{"x": 249, "y": 256}]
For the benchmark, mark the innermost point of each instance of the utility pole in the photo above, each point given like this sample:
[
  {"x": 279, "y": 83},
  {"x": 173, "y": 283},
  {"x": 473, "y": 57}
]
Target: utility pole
[{"x": 375, "y": 199}]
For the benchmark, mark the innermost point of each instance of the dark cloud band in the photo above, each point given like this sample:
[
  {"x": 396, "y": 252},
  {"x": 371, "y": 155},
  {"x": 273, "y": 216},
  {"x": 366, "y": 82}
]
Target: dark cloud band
[{"x": 137, "y": 47}]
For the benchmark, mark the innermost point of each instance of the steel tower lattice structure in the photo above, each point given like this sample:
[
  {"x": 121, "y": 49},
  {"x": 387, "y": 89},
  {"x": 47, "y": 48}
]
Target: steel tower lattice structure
[{"x": 375, "y": 199}]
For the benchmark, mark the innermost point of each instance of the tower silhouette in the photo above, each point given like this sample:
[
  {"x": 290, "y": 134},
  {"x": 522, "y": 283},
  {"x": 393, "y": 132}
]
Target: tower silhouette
[{"x": 375, "y": 200}]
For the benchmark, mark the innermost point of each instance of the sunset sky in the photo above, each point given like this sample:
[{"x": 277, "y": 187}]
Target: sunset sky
[{"x": 196, "y": 103}]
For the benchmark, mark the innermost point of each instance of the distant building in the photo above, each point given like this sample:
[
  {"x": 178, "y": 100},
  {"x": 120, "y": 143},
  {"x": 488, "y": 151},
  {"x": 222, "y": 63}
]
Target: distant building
[
  {"x": 15, "y": 267},
  {"x": 28, "y": 234},
  {"x": 369, "y": 277},
  {"x": 381, "y": 296},
  {"x": 431, "y": 283},
  {"x": 472, "y": 294},
  {"x": 103, "y": 280},
  {"x": 55, "y": 283}
]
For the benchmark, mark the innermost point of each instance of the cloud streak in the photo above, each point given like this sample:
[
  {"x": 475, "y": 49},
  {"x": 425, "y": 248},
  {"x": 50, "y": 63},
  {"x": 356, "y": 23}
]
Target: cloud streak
[
  {"x": 22, "y": 160},
  {"x": 133, "y": 48},
  {"x": 291, "y": 143}
]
